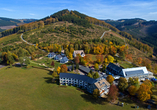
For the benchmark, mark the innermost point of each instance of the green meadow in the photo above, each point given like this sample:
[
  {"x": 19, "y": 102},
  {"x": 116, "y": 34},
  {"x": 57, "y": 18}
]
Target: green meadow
[{"x": 32, "y": 89}]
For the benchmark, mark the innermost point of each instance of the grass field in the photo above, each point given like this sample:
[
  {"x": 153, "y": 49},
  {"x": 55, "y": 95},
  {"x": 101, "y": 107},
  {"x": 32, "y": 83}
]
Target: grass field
[
  {"x": 47, "y": 61},
  {"x": 125, "y": 64},
  {"x": 31, "y": 89}
]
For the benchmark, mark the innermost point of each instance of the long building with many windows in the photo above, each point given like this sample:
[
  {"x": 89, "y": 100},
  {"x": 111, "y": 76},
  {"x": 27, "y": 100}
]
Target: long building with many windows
[
  {"x": 139, "y": 72},
  {"x": 85, "y": 82}
]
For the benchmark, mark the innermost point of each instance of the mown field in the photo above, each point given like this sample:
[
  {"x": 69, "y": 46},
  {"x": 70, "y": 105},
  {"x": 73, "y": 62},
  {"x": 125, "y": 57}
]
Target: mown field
[{"x": 31, "y": 89}]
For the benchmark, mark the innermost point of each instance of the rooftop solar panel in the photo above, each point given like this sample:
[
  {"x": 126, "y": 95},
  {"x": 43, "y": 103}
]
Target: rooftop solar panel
[
  {"x": 134, "y": 73},
  {"x": 79, "y": 77}
]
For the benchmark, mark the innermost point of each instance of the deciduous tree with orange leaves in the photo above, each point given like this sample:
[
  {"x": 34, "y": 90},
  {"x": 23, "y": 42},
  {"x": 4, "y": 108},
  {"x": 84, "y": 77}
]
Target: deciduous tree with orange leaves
[
  {"x": 144, "y": 92},
  {"x": 64, "y": 68},
  {"x": 76, "y": 59},
  {"x": 113, "y": 93},
  {"x": 139, "y": 60},
  {"x": 132, "y": 90},
  {"x": 147, "y": 63},
  {"x": 113, "y": 50},
  {"x": 99, "y": 50},
  {"x": 88, "y": 58},
  {"x": 129, "y": 57},
  {"x": 99, "y": 59}
]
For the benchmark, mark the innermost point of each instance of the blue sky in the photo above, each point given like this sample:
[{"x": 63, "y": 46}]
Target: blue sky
[{"x": 100, "y": 9}]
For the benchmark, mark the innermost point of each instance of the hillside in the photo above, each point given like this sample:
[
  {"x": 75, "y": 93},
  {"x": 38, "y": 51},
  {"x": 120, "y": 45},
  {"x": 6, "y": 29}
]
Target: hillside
[
  {"x": 140, "y": 29},
  {"x": 60, "y": 32},
  {"x": 71, "y": 30},
  {"x": 76, "y": 18},
  {"x": 8, "y": 23},
  {"x": 69, "y": 26}
]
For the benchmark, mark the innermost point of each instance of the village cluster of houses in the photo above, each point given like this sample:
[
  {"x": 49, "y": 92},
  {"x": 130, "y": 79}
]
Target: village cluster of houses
[
  {"x": 100, "y": 83},
  {"x": 62, "y": 58}
]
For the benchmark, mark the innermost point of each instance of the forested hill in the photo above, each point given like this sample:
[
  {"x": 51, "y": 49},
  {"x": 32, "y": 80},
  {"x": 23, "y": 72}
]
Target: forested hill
[
  {"x": 76, "y": 18},
  {"x": 145, "y": 31},
  {"x": 8, "y": 23},
  {"x": 64, "y": 15}
]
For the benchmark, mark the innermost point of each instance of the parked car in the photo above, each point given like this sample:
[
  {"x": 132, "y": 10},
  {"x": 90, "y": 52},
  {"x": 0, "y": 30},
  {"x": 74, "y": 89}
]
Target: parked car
[{"x": 154, "y": 79}]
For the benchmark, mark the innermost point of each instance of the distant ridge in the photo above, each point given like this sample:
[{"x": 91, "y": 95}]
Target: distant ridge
[
  {"x": 145, "y": 31},
  {"x": 8, "y": 23}
]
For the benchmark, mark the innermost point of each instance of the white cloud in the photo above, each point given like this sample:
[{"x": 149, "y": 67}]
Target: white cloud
[
  {"x": 153, "y": 13},
  {"x": 31, "y": 14},
  {"x": 127, "y": 9},
  {"x": 7, "y": 9}
]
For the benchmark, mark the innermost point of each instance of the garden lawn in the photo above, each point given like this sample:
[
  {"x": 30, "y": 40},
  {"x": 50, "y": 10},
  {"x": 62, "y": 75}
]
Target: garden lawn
[
  {"x": 47, "y": 61},
  {"x": 125, "y": 64},
  {"x": 31, "y": 89}
]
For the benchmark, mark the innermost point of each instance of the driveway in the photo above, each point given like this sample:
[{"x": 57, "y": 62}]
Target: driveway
[{"x": 81, "y": 73}]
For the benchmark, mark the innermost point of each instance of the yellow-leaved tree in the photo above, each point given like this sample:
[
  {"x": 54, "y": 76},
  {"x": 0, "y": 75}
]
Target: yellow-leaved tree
[
  {"x": 58, "y": 69},
  {"x": 70, "y": 56},
  {"x": 144, "y": 92},
  {"x": 110, "y": 79},
  {"x": 110, "y": 58},
  {"x": 105, "y": 60}
]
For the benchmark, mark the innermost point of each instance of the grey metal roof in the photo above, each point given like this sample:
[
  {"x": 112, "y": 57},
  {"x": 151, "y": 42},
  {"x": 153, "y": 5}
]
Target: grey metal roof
[
  {"x": 114, "y": 67},
  {"x": 59, "y": 56},
  {"x": 52, "y": 53},
  {"x": 64, "y": 59},
  {"x": 84, "y": 69},
  {"x": 79, "y": 77},
  {"x": 134, "y": 73}
]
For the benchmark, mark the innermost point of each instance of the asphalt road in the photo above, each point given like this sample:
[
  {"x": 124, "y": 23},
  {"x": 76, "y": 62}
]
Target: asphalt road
[
  {"x": 25, "y": 40},
  {"x": 104, "y": 33}
]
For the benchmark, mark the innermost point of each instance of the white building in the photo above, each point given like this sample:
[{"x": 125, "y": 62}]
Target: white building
[
  {"x": 103, "y": 86},
  {"x": 138, "y": 72},
  {"x": 81, "y": 52},
  {"x": 85, "y": 82}
]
